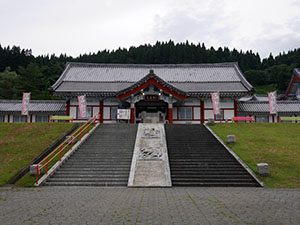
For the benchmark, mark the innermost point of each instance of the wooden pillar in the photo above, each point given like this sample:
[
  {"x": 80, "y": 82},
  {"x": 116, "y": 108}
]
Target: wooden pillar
[
  {"x": 68, "y": 109},
  {"x": 235, "y": 108},
  {"x": 132, "y": 113},
  {"x": 202, "y": 116},
  {"x": 101, "y": 111},
  {"x": 170, "y": 112}
]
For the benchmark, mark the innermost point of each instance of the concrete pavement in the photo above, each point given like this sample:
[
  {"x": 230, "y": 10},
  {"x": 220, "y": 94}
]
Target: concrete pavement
[{"x": 91, "y": 205}]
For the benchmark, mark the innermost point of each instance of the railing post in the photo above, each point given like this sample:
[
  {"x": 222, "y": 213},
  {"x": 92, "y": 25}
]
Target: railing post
[
  {"x": 60, "y": 153},
  {"x": 37, "y": 173},
  {"x": 47, "y": 166},
  {"x": 88, "y": 128},
  {"x": 71, "y": 142}
]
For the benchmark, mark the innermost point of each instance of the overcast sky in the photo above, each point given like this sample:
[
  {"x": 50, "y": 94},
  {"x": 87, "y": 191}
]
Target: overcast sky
[{"x": 75, "y": 27}]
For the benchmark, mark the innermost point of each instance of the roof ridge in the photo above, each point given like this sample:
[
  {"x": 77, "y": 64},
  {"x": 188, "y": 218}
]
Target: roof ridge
[
  {"x": 150, "y": 65},
  {"x": 31, "y": 101}
]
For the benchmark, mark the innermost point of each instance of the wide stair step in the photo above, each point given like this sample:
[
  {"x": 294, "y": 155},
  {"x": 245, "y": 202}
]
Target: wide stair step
[
  {"x": 103, "y": 160},
  {"x": 197, "y": 158}
]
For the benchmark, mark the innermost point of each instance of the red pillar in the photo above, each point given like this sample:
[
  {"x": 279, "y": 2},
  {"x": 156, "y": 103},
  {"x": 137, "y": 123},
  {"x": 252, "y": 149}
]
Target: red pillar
[
  {"x": 235, "y": 108},
  {"x": 132, "y": 116},
  {"x": 202, "y": 116},
  {"x": 68, "y": 109},
  {"x": 101, "y": 111},
  {"x": 170, "y": 115}
]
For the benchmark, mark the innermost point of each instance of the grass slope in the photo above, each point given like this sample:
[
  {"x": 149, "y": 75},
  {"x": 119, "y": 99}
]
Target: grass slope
[
  {"x": 21, "y": 142},
  {"x": 277, "y": 144}
]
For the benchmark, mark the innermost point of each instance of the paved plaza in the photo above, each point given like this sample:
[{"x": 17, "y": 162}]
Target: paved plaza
[{"x": 54, "y": 205}]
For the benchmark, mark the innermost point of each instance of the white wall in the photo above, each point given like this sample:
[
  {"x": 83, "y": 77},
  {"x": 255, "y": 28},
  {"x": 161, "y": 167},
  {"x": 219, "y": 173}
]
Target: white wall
[
  {"x": 95, "y": 110},
  {"x": 106, "y": 113},
  {"x": 197, "y": 113},
  {"x": 191, "y": 101},
  {"x": 111, "y": 101},
  {"x": 208, "y": 103},
  {"x": 73, "y": 112},
  {"x": 228, "y": 114},
  {"x": 227, "y": 103},
  {"x": 175, "y": 113},
  {"x": 208, "y": 114},
  {"x": 186, "y": 122}
]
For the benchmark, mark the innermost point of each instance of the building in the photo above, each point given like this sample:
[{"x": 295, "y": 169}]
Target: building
[
  {"x": 39, "y": 110},
  {"x": 178, "y": 93},
  {"x": 288, "y": 104},
  {"x": 258, "y": 108},
  {"x": 293, "y": 90}
]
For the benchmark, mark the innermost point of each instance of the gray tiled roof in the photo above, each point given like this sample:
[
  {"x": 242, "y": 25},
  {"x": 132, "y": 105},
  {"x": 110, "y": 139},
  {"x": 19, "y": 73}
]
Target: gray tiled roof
[
  {"x": 258, "y": 98},
  {"x": 209, "y": 86},
  {"x": 263, "y": 107},
  {"x": 36, "y": 106},
  {"x": 117, "y": 77}
]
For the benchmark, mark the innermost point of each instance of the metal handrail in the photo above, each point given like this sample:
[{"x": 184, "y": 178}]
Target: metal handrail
[{"x": 64, "y": 145}]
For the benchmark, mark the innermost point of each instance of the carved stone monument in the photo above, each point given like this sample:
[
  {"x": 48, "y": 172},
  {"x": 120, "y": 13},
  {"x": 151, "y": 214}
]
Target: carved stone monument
[{"x": 150, "y": 164}]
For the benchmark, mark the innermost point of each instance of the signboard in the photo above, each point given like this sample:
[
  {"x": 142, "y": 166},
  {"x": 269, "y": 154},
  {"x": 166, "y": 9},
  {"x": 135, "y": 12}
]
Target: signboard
[
  {"x": 151, "y": 98},
  {"x": 215, "y": 97},
  {"x": 272, "y": 102},
  {"x": 123, "y": 114},
  {"x": 82, "y": 106},
  {"x": 25, "y": 103}
]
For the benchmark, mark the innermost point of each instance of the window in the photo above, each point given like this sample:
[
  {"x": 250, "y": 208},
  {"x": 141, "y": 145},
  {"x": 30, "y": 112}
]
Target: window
[
  {"x": 185, "y": 113},
  {"x": 1, "y": 118},
  {"x": 89, "y": 113},
  {"x": 221, "y": 115},
  {"x": 113, "y": 113},
  {"x": 42, "y": 118},
  {"x": 19, "y": 119}
]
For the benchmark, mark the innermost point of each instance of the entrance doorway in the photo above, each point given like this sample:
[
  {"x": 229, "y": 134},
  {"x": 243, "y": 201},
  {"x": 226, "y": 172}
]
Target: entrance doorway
[{"x": 151, "y": 111}]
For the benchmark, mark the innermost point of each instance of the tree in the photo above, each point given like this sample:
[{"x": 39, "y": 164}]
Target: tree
[
  {"x": 32, "y": 80},
  {"x": 9, "y": 84}
]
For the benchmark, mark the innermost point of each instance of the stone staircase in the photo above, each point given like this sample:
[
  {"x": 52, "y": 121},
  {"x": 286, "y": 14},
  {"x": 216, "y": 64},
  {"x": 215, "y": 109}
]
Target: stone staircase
[
  {"x": 197, "y": 158},
  {"x": 103, "y": 160}
]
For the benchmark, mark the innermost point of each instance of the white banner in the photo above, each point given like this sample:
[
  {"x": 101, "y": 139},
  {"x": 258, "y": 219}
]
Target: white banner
[
  {"x": 272, "y": 102},
  {"x": 82, "y": 106},
  {"x": 25, "y": 103},
  {"x": 123, "y": 114},
  {"x": 215, "y": 97}
]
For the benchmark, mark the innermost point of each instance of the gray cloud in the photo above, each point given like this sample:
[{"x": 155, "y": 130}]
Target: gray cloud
[{"x": 204, "y": 27}]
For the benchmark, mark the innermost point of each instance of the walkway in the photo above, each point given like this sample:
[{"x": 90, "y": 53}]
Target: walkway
[{"x": 61, "y": 205}]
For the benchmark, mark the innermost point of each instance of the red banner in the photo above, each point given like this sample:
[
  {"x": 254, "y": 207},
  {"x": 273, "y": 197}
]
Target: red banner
[
  {"x": 82, "y": 106},
  {"x": 272, "y": 102},
  {"x": 215, "y": 97},
  {"x": 25, "y": 103}
]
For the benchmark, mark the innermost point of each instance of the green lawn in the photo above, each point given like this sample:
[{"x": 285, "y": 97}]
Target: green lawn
[
  {"x": 277, "y": 144},
  {"x": 21, "y": 142}
]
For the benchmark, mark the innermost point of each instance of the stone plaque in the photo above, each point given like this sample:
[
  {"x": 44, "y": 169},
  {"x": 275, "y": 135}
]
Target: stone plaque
[
  {"x": 150, "y": 153},
  {"x": 151, "y": 133}
]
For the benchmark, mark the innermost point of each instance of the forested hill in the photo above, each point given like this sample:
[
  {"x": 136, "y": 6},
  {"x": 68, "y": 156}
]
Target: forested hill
[{"x": 20, "y": 71}]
